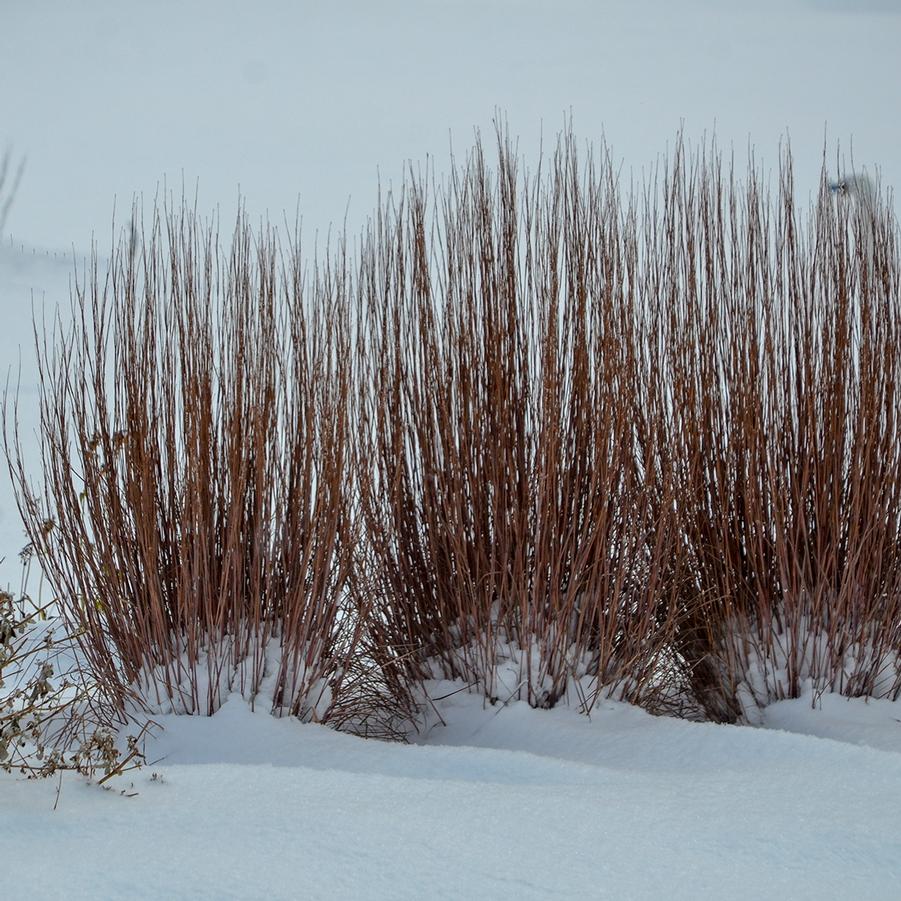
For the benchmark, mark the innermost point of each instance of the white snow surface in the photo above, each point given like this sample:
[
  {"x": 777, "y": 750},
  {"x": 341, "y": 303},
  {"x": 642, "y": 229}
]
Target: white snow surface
[{"x": 505, "y": 802}]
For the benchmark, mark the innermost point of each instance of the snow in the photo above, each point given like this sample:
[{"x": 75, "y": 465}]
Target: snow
[
  {"x": 505, "y": 802},
  {"x": 313, "y": 103},
  {"x": 872, "y": 723}
]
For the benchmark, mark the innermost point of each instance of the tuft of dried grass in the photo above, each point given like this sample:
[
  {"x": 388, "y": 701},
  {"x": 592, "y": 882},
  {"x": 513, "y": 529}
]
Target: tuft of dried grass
[
  {"x": 192, "y": 514},
  {"x": 776, "y": 411},
  {"x": 513, "y": 538},
  {"x": 652, "y": 441}
]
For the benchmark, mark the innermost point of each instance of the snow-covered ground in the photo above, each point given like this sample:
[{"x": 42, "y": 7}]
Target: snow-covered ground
[
  {"x": 312, "y": 102},
  {"x": 501, "y": 803}
]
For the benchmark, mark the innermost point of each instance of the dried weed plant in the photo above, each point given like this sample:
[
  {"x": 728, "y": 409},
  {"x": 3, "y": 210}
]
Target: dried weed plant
[{"x": 48, "y": 723}]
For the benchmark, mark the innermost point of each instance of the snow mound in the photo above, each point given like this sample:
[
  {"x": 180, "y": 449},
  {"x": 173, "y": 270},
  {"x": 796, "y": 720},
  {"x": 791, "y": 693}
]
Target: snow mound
[{"x": 500, "y": 802}]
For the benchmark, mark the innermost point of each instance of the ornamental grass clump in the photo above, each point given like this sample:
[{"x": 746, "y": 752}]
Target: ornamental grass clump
[
  {"x": 778, "y": 363},
  {"x": 191, "y": 514},
  {"x": 557, "y": 439},
  {"x": 641, "y": 445},
  {"x": 513, "y": 536}
]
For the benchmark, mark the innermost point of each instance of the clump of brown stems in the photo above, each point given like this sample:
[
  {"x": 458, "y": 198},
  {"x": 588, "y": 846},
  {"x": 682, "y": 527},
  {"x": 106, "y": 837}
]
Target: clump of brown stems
[
  {"x": 777, "y": 347},
  {"x": 652, "y": 442},
  {"x": 192, "y": 515},
  {"x": 547, "y": 438},
  {"x": 512, "y": 537}
]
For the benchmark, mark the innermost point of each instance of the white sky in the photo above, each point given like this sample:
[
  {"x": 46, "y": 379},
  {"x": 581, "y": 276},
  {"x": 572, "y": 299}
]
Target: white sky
[{"x": 312, "y": 100}]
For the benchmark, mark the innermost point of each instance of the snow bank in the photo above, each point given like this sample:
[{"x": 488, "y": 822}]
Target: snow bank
[{"x": 505, "y": 802}]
